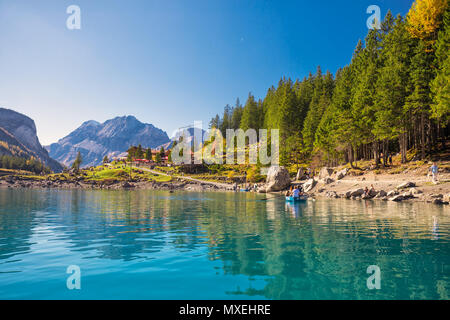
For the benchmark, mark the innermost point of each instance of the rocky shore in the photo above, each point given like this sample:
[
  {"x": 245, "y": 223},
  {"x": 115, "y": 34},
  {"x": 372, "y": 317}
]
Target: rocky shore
[
  {"x": 330, "y": 183},
  {"x": 409, "y": 186},
  {"x": 16, "y": 182}
]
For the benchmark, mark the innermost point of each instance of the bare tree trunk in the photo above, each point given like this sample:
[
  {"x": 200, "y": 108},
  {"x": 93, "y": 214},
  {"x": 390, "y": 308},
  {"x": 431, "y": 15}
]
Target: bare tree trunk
[
  {"x": 422, "y": 134},
  {"x": 350, "y": 156},
  {"x": 376, "y": 153},
  {"x": 385, "y": 142},
  {"x": 403, "y": 146}
]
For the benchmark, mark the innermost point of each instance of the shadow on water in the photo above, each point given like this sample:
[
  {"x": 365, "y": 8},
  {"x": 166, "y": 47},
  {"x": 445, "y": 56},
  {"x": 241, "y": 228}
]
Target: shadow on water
[{"x": 273, "y": 249}]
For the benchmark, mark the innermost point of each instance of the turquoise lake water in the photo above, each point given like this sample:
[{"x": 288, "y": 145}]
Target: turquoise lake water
[{"x": 158, "y": 245}]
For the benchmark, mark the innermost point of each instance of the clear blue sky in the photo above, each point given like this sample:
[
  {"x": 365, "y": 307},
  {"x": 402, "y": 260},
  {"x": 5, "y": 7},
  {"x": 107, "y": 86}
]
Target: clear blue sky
[{"x": 167, "y": 62}]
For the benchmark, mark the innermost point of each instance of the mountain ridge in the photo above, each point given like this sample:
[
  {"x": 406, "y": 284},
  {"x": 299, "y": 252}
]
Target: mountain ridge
[
  {"x": 114, "y": 136},
  {"x": 18, "y": 137}
]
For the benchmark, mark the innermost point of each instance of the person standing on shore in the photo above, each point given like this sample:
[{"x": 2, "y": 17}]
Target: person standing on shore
[{"x": 434, "y": 172}]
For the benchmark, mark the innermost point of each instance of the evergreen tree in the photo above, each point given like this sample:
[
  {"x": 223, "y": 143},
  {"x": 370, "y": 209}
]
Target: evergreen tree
[
  {"x": 336, "y": 132},
  {"x": 419, "y": 101},
  {"x": 78, "y": 161},
  {"x": 270, "y": 107},
  {"x": 226, "y": 122},
  {"x": 392, "y": 85},
  {"x": 215, "y": 122},
  {"x": 440, "y": 86},
  {"x": 140, "y": 152},
  {"x": 236, "y": 115},
  {"x": 304, "y": 91},
  {"x": 321, "y": 99},
  {"x": 289, "y": 122},
  {"x": 250, "y": 116},
  {"x": 148, "y": 154},
  {"x": 366, "y": 66},
  {"x": 158, "y": 158}
]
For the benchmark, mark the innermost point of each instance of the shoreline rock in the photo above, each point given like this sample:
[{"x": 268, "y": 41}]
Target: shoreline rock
[{"x": 278, "y": 179}]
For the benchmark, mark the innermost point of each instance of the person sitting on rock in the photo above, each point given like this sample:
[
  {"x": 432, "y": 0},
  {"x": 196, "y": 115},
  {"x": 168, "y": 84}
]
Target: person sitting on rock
[
  {"x": 366, "y": 191},
  {"x": 289, "y": 192}
]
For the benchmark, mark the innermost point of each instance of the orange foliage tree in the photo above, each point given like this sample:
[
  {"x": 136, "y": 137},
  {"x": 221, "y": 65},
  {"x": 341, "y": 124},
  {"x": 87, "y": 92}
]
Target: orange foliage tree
[{"x": 424, "y": 19}]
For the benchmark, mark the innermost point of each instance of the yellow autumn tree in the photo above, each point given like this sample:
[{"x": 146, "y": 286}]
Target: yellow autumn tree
[{"x": 424, "y": 19}]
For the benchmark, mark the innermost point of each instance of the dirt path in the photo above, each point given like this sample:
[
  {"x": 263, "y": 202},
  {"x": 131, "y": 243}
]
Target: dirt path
[{"x": 217, "y": 184}]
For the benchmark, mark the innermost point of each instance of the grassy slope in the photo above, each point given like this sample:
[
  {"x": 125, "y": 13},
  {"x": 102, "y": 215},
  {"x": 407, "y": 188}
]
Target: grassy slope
[{"x": 98, "y": 174}]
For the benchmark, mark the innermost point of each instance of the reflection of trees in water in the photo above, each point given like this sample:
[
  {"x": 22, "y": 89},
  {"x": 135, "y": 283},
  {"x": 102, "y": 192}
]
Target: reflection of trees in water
[{"x": 325, "y": 253}]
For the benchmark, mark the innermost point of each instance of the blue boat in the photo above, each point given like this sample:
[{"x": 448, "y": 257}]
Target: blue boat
[{"x": 296, "y": 199}]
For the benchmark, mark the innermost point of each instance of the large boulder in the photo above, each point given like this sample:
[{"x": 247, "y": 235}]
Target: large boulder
[
  {"x": 407, "y": 195},
  {"x": 373, "y": 193},
  {"x": 300, "y": 174},
  {"x": 277, "y": 179},
  {"x": 439, "y": 201},
  {"x": 341, "y": 174},
  {"x": 405, "y": 185},
  {"x": 309, "y": 185},
  {"x": 354, "y": 193},
  {"x": 327, "y": 180},
  {"x": 397, "y": 198},
  {"x": 331, "y": 194},
  {"x": 392, "y": 193},
  {"x": 325, "y": 172},
  {"x": 381, "y": 194}
]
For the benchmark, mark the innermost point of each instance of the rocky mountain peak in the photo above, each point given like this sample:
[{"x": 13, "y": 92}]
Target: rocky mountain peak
[
  {"x": 22, "y": 129},
  {"x": 95, "y": 140}
]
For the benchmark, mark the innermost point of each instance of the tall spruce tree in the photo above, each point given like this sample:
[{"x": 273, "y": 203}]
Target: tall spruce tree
[
  {"x": 440, "y": 86},
  {"x": 392, "y": 86},
  {"x": 419, "y": 101},
  {"x": 237, "y": 115},
  {"x": 250, "y": 116},
  {"x": 314, "y": 113}
]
